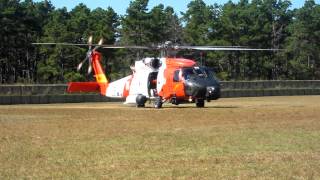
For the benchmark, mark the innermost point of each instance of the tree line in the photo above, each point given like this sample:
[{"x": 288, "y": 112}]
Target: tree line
[{"x": 254, "y": 24}]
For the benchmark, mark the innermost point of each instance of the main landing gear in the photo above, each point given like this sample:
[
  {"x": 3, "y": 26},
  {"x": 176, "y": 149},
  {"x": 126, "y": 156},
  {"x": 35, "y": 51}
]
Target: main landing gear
[
  {"x": 158, "y": 102},
  {"x": 141, "y": 100}
]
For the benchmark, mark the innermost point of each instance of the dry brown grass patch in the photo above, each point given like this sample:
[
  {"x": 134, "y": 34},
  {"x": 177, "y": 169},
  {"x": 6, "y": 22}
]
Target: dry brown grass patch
[{"x": 263, "y": 138}]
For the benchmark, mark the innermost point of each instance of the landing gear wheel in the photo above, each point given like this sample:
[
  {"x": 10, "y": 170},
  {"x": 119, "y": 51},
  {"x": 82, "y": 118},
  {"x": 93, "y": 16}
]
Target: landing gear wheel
[
  {"x": 140, "y": 105},
  {"x": 158, "y": 102},
  {"x": 141, "y": 100},
  {"x": 200, "y": 103}
]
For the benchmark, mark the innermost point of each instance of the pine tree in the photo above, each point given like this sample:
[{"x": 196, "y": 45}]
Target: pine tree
[
  {"x": 304, "y": 44},
  {"x": 135, "y": 24},
  {"x": 197, "y": 19}
]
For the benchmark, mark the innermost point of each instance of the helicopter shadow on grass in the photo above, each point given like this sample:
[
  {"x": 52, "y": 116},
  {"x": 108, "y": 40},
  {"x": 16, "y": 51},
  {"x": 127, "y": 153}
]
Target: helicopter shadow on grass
[{"x": 193, "y": 107}]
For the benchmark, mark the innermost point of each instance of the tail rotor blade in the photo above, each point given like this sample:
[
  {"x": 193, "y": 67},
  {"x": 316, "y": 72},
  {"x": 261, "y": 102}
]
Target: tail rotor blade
[
  {"x": 100, "y": 42},
  {"x": 81, "y": 63},
  {"x": 89, "y": 68},
  {"x": 90, "y": 42}
]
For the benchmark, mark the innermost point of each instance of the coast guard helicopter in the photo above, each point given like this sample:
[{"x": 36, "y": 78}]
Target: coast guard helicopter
[{"x": 164, "y": 79}]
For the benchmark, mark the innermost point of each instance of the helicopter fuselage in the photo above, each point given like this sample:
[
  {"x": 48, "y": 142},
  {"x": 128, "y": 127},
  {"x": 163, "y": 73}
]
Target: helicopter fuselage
[{"x": 175, "y": 80}]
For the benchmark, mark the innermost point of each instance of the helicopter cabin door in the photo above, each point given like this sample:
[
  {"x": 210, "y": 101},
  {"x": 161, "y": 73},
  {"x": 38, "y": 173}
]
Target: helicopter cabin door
[
  {"x": 152, "y": 84},
  {"x": 177, "y": 84}
]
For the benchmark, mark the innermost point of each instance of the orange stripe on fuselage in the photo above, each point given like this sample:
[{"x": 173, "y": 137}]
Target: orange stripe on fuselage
[
  {"x": 126, "y": 88},
  {"x": 169, "y": 89}
]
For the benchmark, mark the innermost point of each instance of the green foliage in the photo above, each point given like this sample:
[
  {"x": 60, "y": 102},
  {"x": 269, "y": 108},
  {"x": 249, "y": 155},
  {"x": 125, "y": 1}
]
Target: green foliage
[
  {"x": 74, "y": 77},
  {"x": 223, "y": 75},
  {"x": 49, "y": 71},
  {"x": 303, "y": 46},
  {"x": 20, "y": 25},
  {"x": 103, "y": 24},
  {"x": 135, "y": 25},
  {"x": 197, "y": 18}
]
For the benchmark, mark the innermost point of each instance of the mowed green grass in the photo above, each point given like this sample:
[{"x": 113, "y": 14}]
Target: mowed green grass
[{"x": 239, "y": 138}]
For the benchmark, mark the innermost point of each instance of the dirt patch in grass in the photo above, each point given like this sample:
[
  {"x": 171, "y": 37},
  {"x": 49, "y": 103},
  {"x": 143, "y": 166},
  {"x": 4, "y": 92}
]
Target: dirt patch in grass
[{"x": 267, "y": 137}]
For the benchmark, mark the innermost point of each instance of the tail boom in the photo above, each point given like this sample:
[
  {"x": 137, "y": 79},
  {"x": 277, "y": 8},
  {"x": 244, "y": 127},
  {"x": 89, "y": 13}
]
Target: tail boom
[
  {"x": 76, "y": 87},
  {"x": 85, "y": 87},
  {"x": 99, "y": 86}
]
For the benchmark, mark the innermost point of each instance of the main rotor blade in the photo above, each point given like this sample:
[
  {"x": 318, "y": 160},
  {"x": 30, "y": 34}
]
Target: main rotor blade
[
  {"x": 97, "y": 45},
  {"x": 214, "y": 46},
  {"x": 125, "y": 47},
  {"x": 201, "y": 48},
  {"x": 68, "y": 44},
  {"x": 204, "y": 48},
  {"x": 63, "y": 44}
]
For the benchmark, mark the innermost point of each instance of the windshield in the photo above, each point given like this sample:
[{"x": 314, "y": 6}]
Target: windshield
[
  {"x": 193, "y": 72},
  {"x": 203, "y": 72}
]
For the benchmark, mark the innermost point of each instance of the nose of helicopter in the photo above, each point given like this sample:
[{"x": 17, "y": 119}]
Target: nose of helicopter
[
  {"x": 201, "y": 89},
  {"x": 196, "y": 89},
  {"x": 213, "y": 92}
]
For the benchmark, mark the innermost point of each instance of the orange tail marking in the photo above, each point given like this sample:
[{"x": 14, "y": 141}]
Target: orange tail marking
[
  {"x": 99, "y": 73},
  {"x": 76, "y": 87},
  {"x": 101, "y": 83}
]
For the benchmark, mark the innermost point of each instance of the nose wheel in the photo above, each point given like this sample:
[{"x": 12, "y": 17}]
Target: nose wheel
[
  {"x": 200, "y": 103},
  {"x": 158, "y": 102}
]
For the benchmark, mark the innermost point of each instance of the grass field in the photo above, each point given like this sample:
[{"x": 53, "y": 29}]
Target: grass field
[{"x": 239, "y": 138}]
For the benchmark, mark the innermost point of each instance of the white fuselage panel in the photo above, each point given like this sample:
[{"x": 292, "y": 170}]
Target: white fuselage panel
[
  {"x": 116, "y": 88},
  {"x": 139, "y": 82}
]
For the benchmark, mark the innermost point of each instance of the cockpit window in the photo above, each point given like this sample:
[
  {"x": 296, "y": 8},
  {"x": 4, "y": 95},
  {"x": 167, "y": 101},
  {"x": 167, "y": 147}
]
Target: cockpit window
[
  {"x": 187, "y": 73},
  {"x": 193, "y": 72},
  {"x": 200, "y": 71},
  {"x": 176, "y": 76},
  {"x": 204, "y": 72}
]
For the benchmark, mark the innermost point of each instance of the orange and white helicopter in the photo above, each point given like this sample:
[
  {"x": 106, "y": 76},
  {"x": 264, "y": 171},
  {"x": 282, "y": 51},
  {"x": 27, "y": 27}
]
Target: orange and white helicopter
[{"x": 165, "y": 79}]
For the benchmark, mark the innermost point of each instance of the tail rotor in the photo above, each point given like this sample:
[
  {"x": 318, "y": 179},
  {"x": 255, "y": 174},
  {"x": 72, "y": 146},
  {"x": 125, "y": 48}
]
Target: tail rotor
[
  {"x": 88, "y": 57},
  {"x": 90, "y": 42}
]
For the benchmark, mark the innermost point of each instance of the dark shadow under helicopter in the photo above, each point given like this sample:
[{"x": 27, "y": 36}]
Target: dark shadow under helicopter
[{"x": 193, "y": 107}]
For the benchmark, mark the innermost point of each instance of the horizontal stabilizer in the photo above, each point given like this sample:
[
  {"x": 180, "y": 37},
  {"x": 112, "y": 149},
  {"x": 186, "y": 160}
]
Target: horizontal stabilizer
[{"x": 76, "y": 87}]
